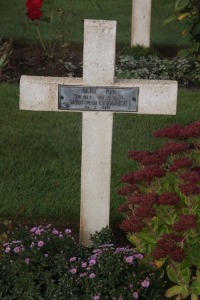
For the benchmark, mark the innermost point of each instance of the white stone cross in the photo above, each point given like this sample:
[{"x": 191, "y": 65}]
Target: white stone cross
[
  {"x": 141, "y": 23},
  {"x": 41, "y": 94}
]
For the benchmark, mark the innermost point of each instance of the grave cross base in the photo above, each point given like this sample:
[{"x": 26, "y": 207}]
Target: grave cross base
[{"x": 41, "y": 94}]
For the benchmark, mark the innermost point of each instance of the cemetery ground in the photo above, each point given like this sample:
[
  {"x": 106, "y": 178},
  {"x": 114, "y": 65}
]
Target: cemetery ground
[{"x": 40, "y": 152}]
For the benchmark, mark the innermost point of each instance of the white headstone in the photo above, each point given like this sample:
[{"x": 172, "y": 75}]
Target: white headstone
[
  {"x": 41, "y": 94},
  {"x": 141, "y": 23}
]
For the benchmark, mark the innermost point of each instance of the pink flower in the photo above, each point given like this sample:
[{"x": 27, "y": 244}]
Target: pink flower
[
  {"x": 82, "y": 275},
  {"x": 40, "y": 244},
  {"x": 128, "y": 259},
  {"x": 33, "y": 229},
  {"x": 7, "y": 250},
  {"x": 68, "y": 231},
  {"x": 73, "y": 270},
  {"x": 145, "y": 283},
  {"x": 27, "y": 261},
  {"x": 92, "y": 275},
  {"x": 72, "y": 259},
  {"x": 84, "y": 265},
  {"x": 135, "y": 295},
  {"x": 92, "y": 262},
  {"x": 17, "y": 249},
  {"x": 96, "y": 298},
  {"x": 55, "y": 231}
]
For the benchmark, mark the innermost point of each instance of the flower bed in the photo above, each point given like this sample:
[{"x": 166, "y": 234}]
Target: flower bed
[{"x": 45, "y": 263}]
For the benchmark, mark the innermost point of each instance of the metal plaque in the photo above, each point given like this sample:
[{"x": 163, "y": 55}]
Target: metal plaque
[{"x": 86, "y": 98}]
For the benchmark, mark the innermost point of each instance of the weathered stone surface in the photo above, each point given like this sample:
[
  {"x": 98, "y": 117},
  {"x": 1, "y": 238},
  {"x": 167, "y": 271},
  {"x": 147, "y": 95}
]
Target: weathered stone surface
[
  {"x": 155, "y": 96},
  {"x": 141, "y": 23}
]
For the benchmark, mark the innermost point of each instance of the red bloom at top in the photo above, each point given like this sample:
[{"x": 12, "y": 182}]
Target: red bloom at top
[
  {"x": 174, "y": 147},
  {"x": 180, "y": 163},
  {"x": 148, "y": 157},
  {"x": 192, "y": 176},
  {"x": 33, "y": 4},
  {"x": 168, "y": 199},
  {"x": 192, "y": 130},
  {"x": 189, "y": 189},
  {"x": 186, "y": 222},
  {"x": 171, "y": 132},
  {"x": 146, "y": 199},
  {"x": 33, "y": 9}
]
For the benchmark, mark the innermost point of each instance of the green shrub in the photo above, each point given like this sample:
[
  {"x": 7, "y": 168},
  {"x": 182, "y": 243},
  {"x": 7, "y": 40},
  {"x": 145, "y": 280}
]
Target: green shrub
[
  {"x": 138, "y": 51},
  {"x": 185, "y": 70},
  {"x": 188, "y": 12}
]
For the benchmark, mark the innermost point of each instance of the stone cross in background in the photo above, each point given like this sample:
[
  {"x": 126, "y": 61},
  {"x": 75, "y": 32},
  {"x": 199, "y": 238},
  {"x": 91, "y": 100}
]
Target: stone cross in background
[
  {"x": 98, "y": 96},
  {"x": 141, "y": 23}
]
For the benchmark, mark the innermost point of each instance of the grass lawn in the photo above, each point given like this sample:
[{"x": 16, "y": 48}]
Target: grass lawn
[
  {"x": 14, "y": 23},
  {"x": 40, "y": 154}
]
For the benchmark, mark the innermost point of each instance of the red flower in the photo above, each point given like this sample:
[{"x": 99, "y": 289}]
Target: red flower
[
  {"x": 193, "y": 177},
  {"x": 168, "y": 199},
  {"x": 123, "y": 208},
  {"x": 189, "y": 189},
  {"x": 170, "y": 132},
  {"x": 146, "y": 199},
  {"x": 126, "y": 190},
  {"x": 133, "y": 225},
  {"x": 174, "y": 147},
  {"x": 148, "y": 157},
  {"x": 159, "y": 253},
  {"x": 178, "y": 255},
  {"x": 33, "y": 9},
  {"x": 128, "y": 178},
  {"x": 33, "y": 4},
  {"x": 192, "y": 130},
  {"x": 148, "y": 174},
  {"x": 144, "y": 212},
  {"x": 168, "y": 245},
  {"x": 186, "y": 222},
  {"x": 34, "y": 14},
  {"x": 180, "y": 163}
]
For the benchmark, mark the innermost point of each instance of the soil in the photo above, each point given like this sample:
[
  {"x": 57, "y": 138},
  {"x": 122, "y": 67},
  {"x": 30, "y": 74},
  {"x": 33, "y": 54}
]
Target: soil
[{"x": 32, "y": 60}]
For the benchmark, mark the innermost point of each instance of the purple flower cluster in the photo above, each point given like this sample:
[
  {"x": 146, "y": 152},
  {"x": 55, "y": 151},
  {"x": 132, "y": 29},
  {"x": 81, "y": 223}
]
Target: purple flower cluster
[{"x": 87, "y": 270}]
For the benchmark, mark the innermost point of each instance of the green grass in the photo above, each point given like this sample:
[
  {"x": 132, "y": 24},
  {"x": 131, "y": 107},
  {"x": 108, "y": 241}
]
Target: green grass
[
  {"x": 40, "y": 154},
  {"x": 14, "y": 23}
]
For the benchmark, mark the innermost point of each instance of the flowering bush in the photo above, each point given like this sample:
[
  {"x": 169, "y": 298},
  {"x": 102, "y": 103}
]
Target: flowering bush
[
  {"x": 162, "y": 207},
  {"x": 46, "y": 263},
  {"x": 37, "y": 16},
  {"x": 185, "y": 70}
]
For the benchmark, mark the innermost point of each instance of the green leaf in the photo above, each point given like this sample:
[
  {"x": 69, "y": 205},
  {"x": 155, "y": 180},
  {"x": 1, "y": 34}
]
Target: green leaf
[
  {"x": 194, "y": 254},
  {"x": 174, "y": 290},
  {"x": 196, "y": 29},
  {"x": 196, "y": 156},
  {"x": 136, "y": 241},
  {"x": 147, "y": 238},
  {"x": 172, "y": 275},
  {"x": 195, "y": 287},
  {"x": 181, "y": 4},
  {"x": 185, "y": 275},
  {"x": 169, "y": 20}
]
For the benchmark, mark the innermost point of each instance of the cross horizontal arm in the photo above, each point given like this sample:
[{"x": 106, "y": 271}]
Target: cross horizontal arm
[{"x": 155, "y": 96}]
